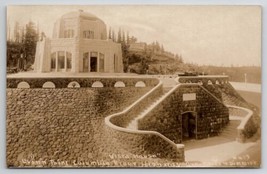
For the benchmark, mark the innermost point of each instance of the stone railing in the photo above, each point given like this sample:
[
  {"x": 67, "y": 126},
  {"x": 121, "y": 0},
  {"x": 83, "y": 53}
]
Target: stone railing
[
  {"x": 247, "y": 126},
  {"x": 203, "y": 80},
  {"x": 63, "y": 82},
  {"x": 123, "y": 120},
  {"x": 139, "y": 141}
]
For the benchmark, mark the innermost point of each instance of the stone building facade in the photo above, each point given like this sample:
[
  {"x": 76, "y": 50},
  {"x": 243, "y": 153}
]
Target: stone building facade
[{"x": 79, "y": 44}]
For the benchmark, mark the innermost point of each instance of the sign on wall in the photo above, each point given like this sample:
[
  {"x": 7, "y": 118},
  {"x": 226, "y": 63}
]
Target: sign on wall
[{"x": 190, "y": 96}]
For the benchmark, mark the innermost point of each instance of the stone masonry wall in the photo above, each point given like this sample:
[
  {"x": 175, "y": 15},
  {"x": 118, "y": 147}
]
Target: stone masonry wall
[
  {"x": 64, "y": 124},
  {"x": 166, "y": 118}
]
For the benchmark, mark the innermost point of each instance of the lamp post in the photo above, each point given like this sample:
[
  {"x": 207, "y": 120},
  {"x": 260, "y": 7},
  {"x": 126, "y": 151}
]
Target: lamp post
[{"x": 245, "y": 77}]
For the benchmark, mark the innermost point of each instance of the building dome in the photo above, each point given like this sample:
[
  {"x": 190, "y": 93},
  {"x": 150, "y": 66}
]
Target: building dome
[
  {"x": 80, "y": 24},
  {"x": 80, "y": 14}
]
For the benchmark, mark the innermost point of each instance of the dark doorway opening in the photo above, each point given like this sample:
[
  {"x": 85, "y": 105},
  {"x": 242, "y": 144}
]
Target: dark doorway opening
[
  {"x": 93, "y": 64},
  {"x": 189, "y": 125}
]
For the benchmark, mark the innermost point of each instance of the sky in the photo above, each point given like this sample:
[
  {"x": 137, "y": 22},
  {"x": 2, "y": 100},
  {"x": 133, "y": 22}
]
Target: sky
[{"x": 206, "y": 35}]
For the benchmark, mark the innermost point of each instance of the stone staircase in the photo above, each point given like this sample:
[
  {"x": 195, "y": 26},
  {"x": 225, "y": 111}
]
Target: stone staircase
[
  {"x": 230, "y": 131},
  {"x": 134, "y": 123}
]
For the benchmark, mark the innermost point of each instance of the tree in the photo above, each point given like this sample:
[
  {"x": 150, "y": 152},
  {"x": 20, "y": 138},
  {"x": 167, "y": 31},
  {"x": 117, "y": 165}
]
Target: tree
[
  {"x": 123, "y": 37},
  {"x": 16, "y": 32},
  {"x": 30, "y": 43},
  {"x": 128, "y": 38},
  {"x": 113, "y": 36},
  {"x": 109, "y": 33},
  {"x": 119, "y": 36}
]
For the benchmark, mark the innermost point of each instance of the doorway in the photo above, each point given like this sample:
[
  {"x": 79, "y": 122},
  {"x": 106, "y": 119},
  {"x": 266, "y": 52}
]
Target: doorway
[
  {"x": 93, "y": 64},
  {"x": 189, "y": 123}
]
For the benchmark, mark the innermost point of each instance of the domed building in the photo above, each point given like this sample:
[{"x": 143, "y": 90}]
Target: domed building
[{"x": 79, "y": 44}]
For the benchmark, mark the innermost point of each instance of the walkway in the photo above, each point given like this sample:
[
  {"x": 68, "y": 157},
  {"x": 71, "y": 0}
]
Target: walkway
[{"x": 217, "y": 149}]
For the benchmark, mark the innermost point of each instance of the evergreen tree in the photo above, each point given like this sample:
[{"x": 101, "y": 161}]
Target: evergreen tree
[
  {"x": 113, "y": 36},
  {"x": 109, "y": 33},
  {"x": 128, "y": 38},
  {"x": 16, "y": 32},
  {"x": 119, "y": 36},
  {"x": 30, "y": 43},
  {"x": 123, "y": 36}
]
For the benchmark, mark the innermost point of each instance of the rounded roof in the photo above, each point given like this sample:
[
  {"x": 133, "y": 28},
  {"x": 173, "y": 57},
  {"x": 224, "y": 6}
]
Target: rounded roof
[{"x": 80, "y": 14}]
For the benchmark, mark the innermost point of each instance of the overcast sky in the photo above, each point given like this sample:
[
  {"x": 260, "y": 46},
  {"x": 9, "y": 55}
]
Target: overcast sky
[{"x": 216, "y": 35}]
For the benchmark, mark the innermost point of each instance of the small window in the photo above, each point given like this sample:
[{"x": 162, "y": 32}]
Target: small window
[
  {"x": 61, "y": 59},
  {"x": 88, "y": 34},
  {"x": 23, "y": 85},
  {"x": 140, "y": 84},
  {"x": 101, "y": 62},
  {"x": 97, "y": 84},
  {"x": 68, "y": 60},
  {"x": 53, "y": 60},
  {"x": 49, "y": 85},
  {"x": 69, "y": 33},
  {"x": 119, "y": 84}
]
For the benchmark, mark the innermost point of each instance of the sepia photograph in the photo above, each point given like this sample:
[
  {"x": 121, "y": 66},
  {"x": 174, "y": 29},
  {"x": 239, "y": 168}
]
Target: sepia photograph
[{"x": 133, "y": 86}]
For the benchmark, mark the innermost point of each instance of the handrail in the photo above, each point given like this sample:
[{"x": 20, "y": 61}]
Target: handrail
[
  {"x": 122, "y": 129},
  {"x": 246, "y": 117}
]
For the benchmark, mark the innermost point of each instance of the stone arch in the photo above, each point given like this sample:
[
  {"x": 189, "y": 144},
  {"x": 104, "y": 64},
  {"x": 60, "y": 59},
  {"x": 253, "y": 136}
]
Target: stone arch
[
  {"x": 23, "y": 85},
  {"x": 200, "y": 82},
  {"x": 74, "y": 84},
  {"x": 49, "y": 84},
  {"x": 97, "y": 84},
  {"x": 189, "y": 125},
  {"x": 140, "y": 84},
  {"x": 119, "y": 84}
]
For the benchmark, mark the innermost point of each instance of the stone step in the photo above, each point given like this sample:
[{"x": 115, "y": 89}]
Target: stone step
[{"x": 134, "y": 123}]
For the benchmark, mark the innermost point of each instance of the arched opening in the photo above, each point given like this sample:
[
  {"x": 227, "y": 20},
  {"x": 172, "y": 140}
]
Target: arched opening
[
  {"x": 189, "y": 125},
  {"x": 74, "y": 84},
  {"x": 200, "y": 82},
  {"x": 119, "y": 84},
  {"x": 209, "y": 82},
  {"x": 140, "y": 84},
  {"x": 97, "y": 84},
  {"x": 23, "y": 85},
  {"x": 49, "y": 85}
]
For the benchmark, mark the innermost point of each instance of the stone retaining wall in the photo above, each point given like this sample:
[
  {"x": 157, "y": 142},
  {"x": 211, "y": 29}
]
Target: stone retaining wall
[
  {"x": 62, "y": 82},
  {"x": 65, "y": 124},
  {"x": 247, "y": 127}
]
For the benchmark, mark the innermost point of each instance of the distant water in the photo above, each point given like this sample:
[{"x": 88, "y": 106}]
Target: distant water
[{"x": 250, "y": 87}]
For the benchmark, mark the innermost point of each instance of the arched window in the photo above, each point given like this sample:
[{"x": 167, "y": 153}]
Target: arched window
[
  {"x": 119, "y": 84},
  {"x": 49, "y": 85},
  {"x": 74, "y": 84},
  {"x": 23, "y": 85},
  {"x": 209, "y": 82},
  {"x": 97, "y": 84},
  {"x": 140, "y": 84}
]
